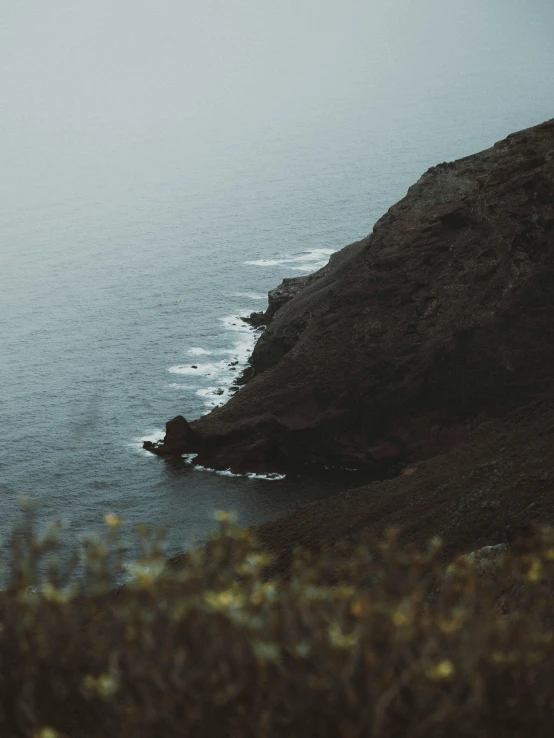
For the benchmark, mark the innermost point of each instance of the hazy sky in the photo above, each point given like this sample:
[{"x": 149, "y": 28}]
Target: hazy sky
[{"x": 134, "y": 68}]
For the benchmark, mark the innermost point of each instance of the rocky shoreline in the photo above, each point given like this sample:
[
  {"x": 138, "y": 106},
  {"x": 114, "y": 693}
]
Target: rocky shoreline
[
  {"x": 441, "y": 314},
  {"x": 428, "y": 345}
]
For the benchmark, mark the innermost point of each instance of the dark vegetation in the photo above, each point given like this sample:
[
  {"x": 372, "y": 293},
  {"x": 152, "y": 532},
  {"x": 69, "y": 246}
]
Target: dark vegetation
[{"x": 359, "y": 639}]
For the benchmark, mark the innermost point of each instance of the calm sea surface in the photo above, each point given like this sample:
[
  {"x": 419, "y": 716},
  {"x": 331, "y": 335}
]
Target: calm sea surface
[{"x": 123, "y": 266}]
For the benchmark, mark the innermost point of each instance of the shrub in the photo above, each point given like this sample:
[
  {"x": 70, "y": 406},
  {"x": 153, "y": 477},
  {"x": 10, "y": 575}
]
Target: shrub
[{"x": 362, "y": 639}]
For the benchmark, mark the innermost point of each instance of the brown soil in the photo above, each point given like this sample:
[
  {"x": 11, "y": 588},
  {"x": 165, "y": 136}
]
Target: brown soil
[{"x": 499, "y": 479}]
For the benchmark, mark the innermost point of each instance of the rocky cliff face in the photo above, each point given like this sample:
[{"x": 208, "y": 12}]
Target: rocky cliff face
[{"x": 441, "y": 318}]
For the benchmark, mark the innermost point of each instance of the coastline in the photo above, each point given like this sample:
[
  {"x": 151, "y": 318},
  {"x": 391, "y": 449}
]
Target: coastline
[
  {"x": 362, "y": 363},
  {"x": 426, "y": 346}
]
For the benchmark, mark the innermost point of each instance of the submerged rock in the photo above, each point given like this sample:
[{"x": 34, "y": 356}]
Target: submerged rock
[{"x": 440, "y": 319}]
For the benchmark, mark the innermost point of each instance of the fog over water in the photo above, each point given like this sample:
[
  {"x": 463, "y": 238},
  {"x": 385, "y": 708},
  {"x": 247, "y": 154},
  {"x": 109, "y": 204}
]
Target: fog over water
[{"x": 163, "y": 164}]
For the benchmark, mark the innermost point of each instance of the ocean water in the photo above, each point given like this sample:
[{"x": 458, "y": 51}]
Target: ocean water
[{"x": 124, "y": 267}]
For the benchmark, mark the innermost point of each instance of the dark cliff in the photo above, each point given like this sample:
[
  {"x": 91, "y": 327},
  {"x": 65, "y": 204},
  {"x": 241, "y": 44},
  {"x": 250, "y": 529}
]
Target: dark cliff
[{"x": 441, "y": 319}]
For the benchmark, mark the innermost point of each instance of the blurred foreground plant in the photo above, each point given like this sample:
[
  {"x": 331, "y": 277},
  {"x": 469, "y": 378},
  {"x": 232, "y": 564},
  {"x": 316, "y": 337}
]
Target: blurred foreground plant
[{"x": 361, "y": 639}]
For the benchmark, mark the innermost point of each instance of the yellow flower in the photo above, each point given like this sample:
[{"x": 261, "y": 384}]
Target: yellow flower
[
  {"x": 435, "y": 544},
  {"x": 225, "y": 517},
  {"x": 263, "y": 593},
  {"x": 534, "y": 573},
  {"x": 442, "y": 670},
  {"x": 340, "y": 639},
  {"x": 400, "y": 619},
  {"x": 112, "y": 520},
  {"x": 502, "y": 657},
  {"x": 53, "y": 594},
  {"x": 47, "y": 733},
  {"x": 145, "y": 573},
  {"x": 253, "y": 563},
  {"x": 403, "y": 615},
  {"x": 224, "y": 600},
  {"x": 104, "y": 685}
]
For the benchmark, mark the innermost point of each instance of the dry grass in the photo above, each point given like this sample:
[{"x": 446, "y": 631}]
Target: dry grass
[{"x": 368, "y": 640}]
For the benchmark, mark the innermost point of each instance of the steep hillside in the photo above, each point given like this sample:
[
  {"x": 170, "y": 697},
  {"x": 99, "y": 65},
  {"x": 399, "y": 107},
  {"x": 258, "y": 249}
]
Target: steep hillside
[{"x": 441, "y": 319}]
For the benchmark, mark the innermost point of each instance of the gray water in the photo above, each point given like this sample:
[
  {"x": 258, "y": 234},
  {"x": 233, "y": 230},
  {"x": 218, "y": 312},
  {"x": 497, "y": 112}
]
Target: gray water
[{"x": 124, "y": 261}]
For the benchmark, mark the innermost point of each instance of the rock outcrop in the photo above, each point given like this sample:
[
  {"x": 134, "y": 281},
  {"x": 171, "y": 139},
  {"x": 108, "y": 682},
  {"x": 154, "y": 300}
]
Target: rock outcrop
[
  {"x": 440, "y": 319},
  {"x": 276, "y": 298}
]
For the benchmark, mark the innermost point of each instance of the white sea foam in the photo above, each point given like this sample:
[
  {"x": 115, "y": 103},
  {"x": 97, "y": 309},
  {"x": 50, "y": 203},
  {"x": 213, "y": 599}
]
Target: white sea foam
[
  {"x": 198, "y": 352},
  {"x": 313, "y": 259},
  {"x": 220, "y": 374},
  {"x": 196, "y": 370},
  {"x": 270, "y": 477},
  {"x": 267, "y": 262},
  {"x": 214, "y": 396},
  {"x": 236, "y": 324},
  {"x": 156, "y": 435},
  {"x": 136, "y": 443}
]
